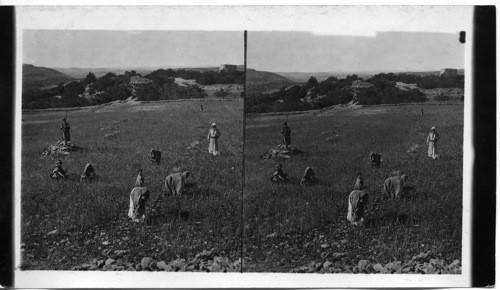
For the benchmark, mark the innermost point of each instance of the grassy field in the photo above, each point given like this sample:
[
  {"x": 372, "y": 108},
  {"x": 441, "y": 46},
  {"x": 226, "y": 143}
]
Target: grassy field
[
  {"x": 288, "y": 226},
  {"x": 90, "y": 219}
]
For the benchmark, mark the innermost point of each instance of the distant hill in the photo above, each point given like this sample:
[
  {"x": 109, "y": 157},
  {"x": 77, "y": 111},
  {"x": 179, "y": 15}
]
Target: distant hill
[
  {"x": 82, "y": 72},
  {"x": 36, "y": 77},
  {"x": 302, "y": 77},
  {"x": 262, "y": 81}
]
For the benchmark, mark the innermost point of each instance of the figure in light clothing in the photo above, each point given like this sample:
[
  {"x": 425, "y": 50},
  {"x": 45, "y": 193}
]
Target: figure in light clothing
[
  {"x": 356, "y": 207},
  {"x": 432, "y": 140},
  {"x": 88, "y": 173},
  {"x": 393, "y": 186},
  {"x": 139, "y": 181},
  {"x": 138, "y": 198},
  {"x": 175, "y": 183},
  {"x": 213, "y": 138}
]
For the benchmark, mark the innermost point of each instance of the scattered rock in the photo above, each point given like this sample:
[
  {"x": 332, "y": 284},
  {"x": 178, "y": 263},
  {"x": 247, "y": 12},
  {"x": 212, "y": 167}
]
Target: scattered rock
[
  {"x": 60, "y": 149},
  {"x": 109, "y": 261},
  {"x": 112, "y": 134},
  {"x": 281, "y": 152},
  {"x": 52, "y": 232},
  {"x": 193, "y": 144},
  {"x": 362, "y": 264},
  {"x": 145, "y": 262}
]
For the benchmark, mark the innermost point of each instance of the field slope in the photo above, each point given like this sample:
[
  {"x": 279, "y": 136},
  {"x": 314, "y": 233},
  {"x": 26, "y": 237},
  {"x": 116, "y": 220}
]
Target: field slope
[
  {"x": 67, "y": 223},
  {"x": 36, "y": 77},
  {"x": 289, "y": 226}
]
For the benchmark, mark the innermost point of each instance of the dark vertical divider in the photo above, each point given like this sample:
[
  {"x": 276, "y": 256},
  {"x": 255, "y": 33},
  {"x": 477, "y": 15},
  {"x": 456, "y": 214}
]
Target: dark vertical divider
[
  {"x": 484, "y": 142},
  {"x": 7, "y": 102},
  {"x": 243, "y": 160}
]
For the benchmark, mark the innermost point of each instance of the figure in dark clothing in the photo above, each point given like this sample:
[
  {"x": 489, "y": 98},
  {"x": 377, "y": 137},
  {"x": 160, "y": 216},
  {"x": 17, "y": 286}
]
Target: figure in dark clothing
[
  {"x": 308, "y": 177},
  {"x": 279, "y": 175},
  {"x": 375, "y": 159},
  {"x": 65, "y": 131},
  {"x": 155, "y": 156},
  {"x": 421, "y": 111},
  {"x": 58, "y": 172},
  {"x": 285, "y": 133},
  {"x": 359, "y": 185},
  {"x": 88, "y": 173}
]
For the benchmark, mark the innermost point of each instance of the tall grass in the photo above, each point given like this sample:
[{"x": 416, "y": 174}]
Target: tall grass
[
  {"x": 89, "y": 214},
  {"x": 310, "y": 221}
]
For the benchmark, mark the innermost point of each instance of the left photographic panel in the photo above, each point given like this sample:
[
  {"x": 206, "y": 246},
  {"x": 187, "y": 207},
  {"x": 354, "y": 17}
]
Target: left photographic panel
[{"x": 131, "y": 150}]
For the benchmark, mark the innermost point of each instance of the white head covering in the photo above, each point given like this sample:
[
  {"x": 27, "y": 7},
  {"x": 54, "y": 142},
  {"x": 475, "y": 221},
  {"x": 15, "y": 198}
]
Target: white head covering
[
  {"x": 433, "y": 128},
  {"x": 213, "y": 125}
]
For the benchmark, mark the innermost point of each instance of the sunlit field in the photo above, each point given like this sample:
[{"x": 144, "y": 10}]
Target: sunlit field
[
  {"x": 289, "y": 226},
  {"x": 66, "y": 223}
]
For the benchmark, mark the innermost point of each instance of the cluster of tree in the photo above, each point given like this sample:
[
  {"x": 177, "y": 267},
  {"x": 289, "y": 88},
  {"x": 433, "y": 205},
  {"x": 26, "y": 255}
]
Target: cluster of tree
[
  {"x": 204, "y": 78},
  {"x": 332, "y": 91},
  {"x": 442, "y": 97},
  {"x": 386, "y": 92},
  {"x": 168, "y": 91},
  {"x": 424, "y": 82}
]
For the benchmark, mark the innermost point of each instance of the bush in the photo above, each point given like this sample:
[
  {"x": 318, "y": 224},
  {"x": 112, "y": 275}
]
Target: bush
[
  {"x": 442, "y": 97},
  {"x": 221, "y": 93}
]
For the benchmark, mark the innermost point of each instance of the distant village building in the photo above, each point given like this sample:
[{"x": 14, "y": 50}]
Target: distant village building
[
  {"x": 359, "y": 84},
  {"x": 449, "y": 72},
  {"x": 227, "y": 68},
  {"x": 137, "y": 80},
  {"x": 406, "y": 87}
]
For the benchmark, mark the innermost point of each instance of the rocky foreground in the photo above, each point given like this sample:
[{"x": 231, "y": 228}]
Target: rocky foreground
[
  {"x": 208, "y": 261},
  {"x": 423, "y": 263}
]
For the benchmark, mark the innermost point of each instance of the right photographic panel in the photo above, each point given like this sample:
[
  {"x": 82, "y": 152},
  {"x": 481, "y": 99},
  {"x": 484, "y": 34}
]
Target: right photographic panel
[{"x": 354, "y": 159}]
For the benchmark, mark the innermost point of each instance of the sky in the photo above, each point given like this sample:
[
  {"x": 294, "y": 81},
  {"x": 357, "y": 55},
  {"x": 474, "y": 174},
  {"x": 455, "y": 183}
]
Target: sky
[
  {"x": 131, "y": 49},
  {"x": 386, "y": 51},
  {"x": 277, "y": 51}
]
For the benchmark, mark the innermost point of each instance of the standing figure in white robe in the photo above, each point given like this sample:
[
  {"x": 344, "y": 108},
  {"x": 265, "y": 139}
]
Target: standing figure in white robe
[
  {"x": 432, "y": 140},
  {"x": 356, "y": 207},
  {"x": 213, "y": 138},
  {"x": 138, "y": 198}
]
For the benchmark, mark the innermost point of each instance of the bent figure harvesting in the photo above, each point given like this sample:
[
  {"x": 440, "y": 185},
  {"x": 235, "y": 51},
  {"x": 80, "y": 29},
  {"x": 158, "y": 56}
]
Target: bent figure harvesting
[
  {"x": 138, "y": 198},
  {"x": 356, "y": 206}
]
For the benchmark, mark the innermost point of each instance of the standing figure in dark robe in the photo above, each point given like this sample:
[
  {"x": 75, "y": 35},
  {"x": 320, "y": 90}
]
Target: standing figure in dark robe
[
  {"x": 375, "y": 159},
  {"x": 279, "y": 175},
  {"x": 65, "y": 131},
  {"x": 58, "y": 172},
  {"x": 285, "y": 133}
]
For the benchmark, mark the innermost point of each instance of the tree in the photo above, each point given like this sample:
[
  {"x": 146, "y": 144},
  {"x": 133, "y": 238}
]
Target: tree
[
  {"x": 90, "y": 78},
  {"x": 312, "y": 82}
]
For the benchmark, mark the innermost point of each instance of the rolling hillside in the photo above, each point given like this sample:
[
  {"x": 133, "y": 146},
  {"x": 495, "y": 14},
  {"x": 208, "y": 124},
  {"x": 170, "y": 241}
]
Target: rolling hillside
[
  {"x": 36, "y": 77},
  {"x": 263, "y": 81}
]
